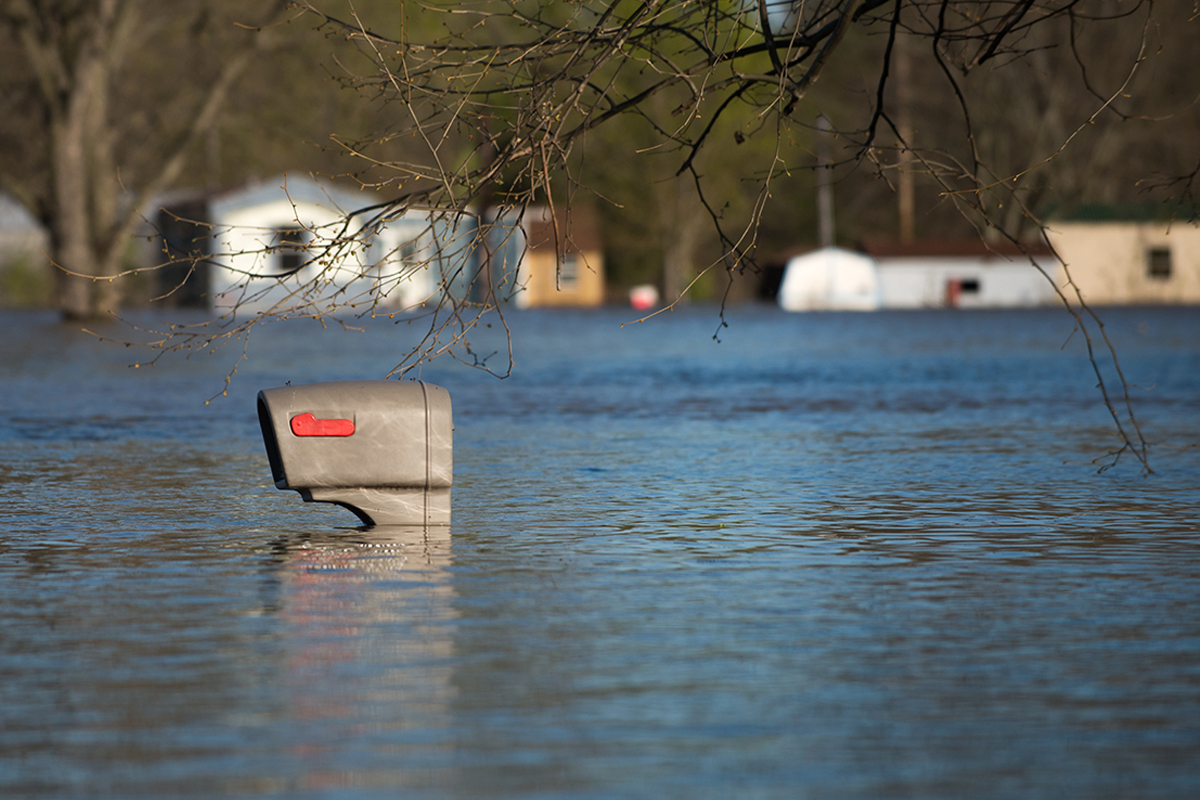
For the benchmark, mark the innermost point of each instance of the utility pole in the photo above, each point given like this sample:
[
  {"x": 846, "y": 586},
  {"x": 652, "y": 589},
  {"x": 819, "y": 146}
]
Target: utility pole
[
  {"x": 824, "y": 184},
  {"x": 905, "y": 187}
]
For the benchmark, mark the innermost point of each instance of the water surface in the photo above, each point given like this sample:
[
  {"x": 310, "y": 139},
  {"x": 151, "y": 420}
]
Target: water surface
[{"x": 830, "y": 556}]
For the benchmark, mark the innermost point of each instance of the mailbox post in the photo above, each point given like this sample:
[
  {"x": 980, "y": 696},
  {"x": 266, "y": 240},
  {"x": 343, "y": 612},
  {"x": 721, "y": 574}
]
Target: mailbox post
[{"x": 382, "y": 449}]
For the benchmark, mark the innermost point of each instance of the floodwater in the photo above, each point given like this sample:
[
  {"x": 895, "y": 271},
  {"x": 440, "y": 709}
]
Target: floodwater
[{"x": 830, "y": 556}]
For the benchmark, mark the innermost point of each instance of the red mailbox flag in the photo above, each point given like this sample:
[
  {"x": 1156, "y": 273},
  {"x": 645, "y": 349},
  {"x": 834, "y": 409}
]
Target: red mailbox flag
[{"x": 308, "y": 425}]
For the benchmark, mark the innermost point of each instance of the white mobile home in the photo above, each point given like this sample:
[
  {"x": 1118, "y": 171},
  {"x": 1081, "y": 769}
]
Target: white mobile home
[
  {"x": 965, "y": 273},
  {"x": 284, "y": 243}
]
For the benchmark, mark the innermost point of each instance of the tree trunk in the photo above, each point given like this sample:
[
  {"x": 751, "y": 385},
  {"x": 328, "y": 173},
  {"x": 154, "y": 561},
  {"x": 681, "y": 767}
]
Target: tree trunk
[
  {"x": 72, "y": 235},
  {"x": 76, "y": 58},
  {"x": 72, "y": 58},
  {"x": 684, "y": 225}
]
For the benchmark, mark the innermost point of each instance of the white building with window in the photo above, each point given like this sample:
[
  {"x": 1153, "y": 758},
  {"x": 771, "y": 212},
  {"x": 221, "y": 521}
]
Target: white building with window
[
  {"x": 284, "y": 244},
  {"x": 967, "y": 273}
]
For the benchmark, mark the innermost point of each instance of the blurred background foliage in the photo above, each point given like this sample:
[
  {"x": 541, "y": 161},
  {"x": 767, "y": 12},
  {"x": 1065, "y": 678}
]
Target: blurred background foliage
[{"x": 298, "y": 108}]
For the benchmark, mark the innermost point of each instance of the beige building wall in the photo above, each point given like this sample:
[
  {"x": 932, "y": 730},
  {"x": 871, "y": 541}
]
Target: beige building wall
[
  {"x": 1117, "y": 263},
  {"x": 582, "y": 280},
  {"x": 581, "y": 283}
]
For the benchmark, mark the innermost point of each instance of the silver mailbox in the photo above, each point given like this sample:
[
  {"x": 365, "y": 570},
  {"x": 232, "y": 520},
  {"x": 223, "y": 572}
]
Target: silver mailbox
[{"x": 382, "y": 449}]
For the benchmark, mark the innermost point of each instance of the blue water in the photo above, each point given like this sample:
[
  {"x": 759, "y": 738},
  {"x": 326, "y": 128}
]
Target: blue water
[{"x": 828, "y": 556}]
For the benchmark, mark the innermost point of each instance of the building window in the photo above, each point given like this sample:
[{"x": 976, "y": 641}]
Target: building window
[
  {"x": 409, "y": 259},
  {"x": 1158, "y": 263},
  {"x": 289, "y": 248},
  {"x": 970, "y": 286},
  {"x": 568, "y": 274}
]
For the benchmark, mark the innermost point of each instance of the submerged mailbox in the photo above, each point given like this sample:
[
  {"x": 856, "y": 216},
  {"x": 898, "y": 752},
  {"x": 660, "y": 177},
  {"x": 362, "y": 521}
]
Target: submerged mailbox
[{"x": 382, "y": 449}]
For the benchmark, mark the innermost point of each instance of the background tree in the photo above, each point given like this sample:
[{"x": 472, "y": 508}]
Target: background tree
[
  {"x": 104, "y": 103},
  {"x": 1088, "y": 108}
]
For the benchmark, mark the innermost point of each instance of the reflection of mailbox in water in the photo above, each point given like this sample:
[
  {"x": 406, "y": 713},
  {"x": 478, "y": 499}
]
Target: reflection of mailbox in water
[{"x": 382, "y": 449}]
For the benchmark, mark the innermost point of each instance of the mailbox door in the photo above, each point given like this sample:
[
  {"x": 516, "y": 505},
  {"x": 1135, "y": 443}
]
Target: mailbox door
[{"x": 368, "y": 434}]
